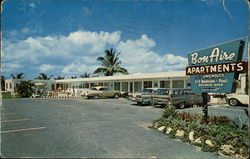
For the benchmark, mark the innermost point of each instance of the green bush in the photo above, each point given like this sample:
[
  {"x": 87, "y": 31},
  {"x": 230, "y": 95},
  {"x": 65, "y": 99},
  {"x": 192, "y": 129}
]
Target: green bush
[
  {"x": 6, "y": 95},
  {"x": 219, "y": 130}
]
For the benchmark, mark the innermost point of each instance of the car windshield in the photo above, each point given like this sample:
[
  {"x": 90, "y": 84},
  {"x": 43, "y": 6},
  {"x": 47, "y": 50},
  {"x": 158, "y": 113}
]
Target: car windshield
[
  {"x": 147, "y": 91},
  {"x": 162, "y": 92},
  {"x": 94, "y": 89}
]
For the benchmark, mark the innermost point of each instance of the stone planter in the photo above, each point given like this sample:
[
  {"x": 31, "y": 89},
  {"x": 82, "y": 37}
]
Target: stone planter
[
  {"x": 179, "y": 133},
  {"x": 191, "y": 136},
  {"x": 169, "y": 130},
  {"x": 161, "y": 128}
]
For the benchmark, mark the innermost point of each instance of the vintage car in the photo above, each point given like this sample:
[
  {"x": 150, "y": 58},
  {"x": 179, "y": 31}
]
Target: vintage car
[
  {"x": 101, "y": 92},
  {"x": 143, "y": 97},
  {"x": 235, "y": 99},
  {"x": 178, "y": 97}
]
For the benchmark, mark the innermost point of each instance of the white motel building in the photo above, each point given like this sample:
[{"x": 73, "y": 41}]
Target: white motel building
[{"x": 130, "y": 83}]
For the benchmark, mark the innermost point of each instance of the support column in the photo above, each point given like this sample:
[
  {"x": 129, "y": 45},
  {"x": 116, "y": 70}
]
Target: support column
[
  {"x": 129, "y": 87},
  {"x": 133, "y": 87},
  {"x": 120, "y": 86},
  {"x": 171, "y": 84},
  {"x": 185, "y": 83},
  {"x": 142, "y": 85}
]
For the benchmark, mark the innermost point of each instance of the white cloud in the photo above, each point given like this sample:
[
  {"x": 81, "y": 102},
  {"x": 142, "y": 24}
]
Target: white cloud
[
  {"x": 25, "y": 30},
  {"x": 137, "y": 56},
  {"x": 77, "y": 53},
  {"x": 46, "y": 67},
  {"x": 42, "y": 53},
  {"x": 32, "y": 5}
]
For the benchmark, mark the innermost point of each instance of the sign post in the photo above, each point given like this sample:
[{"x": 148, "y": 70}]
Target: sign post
[{"x": 215, "y": 69}]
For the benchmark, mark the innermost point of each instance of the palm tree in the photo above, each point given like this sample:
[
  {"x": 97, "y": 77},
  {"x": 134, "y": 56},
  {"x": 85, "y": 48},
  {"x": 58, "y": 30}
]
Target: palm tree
[
  {"x": 110, "y": 63},
  {"x": 44, "y": 76},
  {"x": 18, "y": 76},
  {"x": 59, "y": 77},
  {"x": 85, "y": 75},
  {"x": 24, "y": 89},
  {"x": 2, "y": 83}
]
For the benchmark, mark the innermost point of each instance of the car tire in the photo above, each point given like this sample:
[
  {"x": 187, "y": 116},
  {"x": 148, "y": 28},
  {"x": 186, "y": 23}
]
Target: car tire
[
  {"x": 152, "y": 103},
  {"x": 96, "y": 96},
  {"x": 116, "y": 96},
  {"x": 195, "y": 106},
  {"x": 181, "y": 105},
  {"x": 139, "y": 103},
  {"x": 233, "y": 102},
  {"x": 163, "y": 105}
]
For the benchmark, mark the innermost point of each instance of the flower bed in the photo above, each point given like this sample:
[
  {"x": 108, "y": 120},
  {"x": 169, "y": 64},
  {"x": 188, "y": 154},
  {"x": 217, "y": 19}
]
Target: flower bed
[{"x": 220, "y": 134}]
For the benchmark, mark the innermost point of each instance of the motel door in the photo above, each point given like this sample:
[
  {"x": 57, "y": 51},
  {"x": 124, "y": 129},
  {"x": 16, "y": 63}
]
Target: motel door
[{"x": 131, "y": 87}]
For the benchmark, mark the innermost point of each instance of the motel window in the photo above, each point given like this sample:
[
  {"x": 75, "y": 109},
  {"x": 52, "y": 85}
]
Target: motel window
[
  {"x": 100, "y": 84},
  {"x": 124, "y": 86},
  {"x": 178, "y": 84},
  {"x": 137, "y": 86},
  {"x": 92, "y": 84},
  {"x": 155, "y": 83},
  {"x": 147, "y": 84},
  {"x": 85, "y": 85},
  {"x": 164, "y": 84},
  {"x": 117, "y": 86},
  {"x": 10, "y": 85},
  {"x": 66, "y": 87},
  {"x": 6, "y": 85},
  {"x": 105, "y": 84}
]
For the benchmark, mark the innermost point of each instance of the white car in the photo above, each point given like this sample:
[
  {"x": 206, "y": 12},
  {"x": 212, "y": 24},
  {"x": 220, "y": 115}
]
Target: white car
[{"x": 235, "y": 99}]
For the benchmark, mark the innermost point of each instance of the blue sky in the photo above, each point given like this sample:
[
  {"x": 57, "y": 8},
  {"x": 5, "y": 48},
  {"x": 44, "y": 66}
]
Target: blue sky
[{"x": 65, "y": 37}]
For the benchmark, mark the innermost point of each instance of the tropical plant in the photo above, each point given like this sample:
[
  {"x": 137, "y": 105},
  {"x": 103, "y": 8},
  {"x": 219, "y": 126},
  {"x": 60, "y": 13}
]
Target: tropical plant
[
  {"x": 18, "y": 76},
  {"x": 2, "y": 83},
  {"x": 110, "y": 63},
  {"x": 59, "y": 77},
  {"x": 73, "y": 77},
  {"x": 44, "y": 76},
  {"x": 170, "y": 111},
  {"x": 85, "y": 75},
  {"x": 24, "y": 88}
]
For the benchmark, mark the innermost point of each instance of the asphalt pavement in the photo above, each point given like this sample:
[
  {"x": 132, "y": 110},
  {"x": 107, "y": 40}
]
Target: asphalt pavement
[{"x": 82, "y": 128}]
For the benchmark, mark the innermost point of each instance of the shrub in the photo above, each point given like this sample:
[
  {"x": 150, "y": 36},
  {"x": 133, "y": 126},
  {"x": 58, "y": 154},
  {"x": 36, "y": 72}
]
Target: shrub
[
  {"x": 170, "y": 111},
  {"x": 219, "y": 130},
  {"x": 6, "y": 95},
  {"x": 24, "y": 89}
]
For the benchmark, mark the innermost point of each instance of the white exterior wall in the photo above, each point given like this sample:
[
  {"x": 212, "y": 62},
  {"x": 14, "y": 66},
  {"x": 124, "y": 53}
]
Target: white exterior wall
[{"x": 10, "y": 86}]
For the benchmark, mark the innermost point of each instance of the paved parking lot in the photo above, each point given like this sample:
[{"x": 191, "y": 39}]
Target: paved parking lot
[{"x": 104, "y": 128}]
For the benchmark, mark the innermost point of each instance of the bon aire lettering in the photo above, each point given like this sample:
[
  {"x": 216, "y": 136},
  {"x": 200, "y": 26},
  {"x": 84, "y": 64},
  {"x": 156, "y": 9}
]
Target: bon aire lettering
[{"x": 215, "y": 56}]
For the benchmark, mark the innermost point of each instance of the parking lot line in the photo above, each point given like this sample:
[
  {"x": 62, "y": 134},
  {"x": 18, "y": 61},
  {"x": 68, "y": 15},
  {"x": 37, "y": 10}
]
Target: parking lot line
[
  {"x": 16, "y": 120},
  {"x": 8, "y": 113},
  {"x": 17, "y": 130}
]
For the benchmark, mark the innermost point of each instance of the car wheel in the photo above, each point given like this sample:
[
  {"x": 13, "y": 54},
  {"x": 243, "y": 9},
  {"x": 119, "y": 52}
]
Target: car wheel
[
  {"x": 163, "y": 105},
  {"x": 233, "y": 102},
  {"x": 195, "y": 106},
  {"x": 139, "y": 103},
  {"x": 182, "y": 105},
  {"x": 152, "y": 103},
  {"x": 116, "y": 96},
  {"x": 96, "y": 96}
]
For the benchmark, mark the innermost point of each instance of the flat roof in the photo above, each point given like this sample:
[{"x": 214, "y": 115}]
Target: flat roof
[{"x": 135, "y": 76}]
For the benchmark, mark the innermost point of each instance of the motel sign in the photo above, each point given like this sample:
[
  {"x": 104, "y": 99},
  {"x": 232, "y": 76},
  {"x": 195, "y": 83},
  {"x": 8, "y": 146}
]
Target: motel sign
[{"x": 216, "y": 69}]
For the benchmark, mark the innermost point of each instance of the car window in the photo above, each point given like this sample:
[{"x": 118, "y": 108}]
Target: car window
[
  {"x": 147, "y": 91},
  {"x": 94, "y": 89},
  {"x": 187, "y": 92},
  {"x": 101, "y": 89},
  {"x": 106, "y": 89},
  {"x": 162, "y": 92}
]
